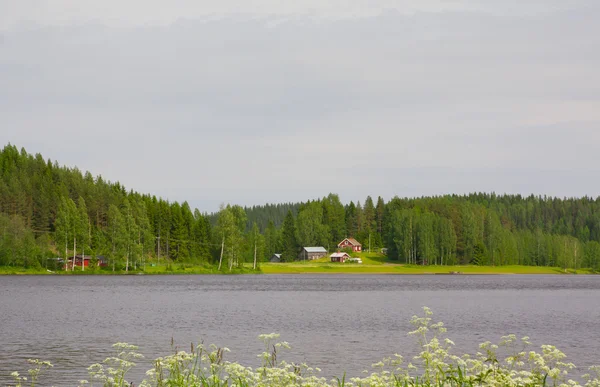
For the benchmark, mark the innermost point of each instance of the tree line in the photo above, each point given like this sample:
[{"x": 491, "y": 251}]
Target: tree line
[{"x": 48, "y": 211}]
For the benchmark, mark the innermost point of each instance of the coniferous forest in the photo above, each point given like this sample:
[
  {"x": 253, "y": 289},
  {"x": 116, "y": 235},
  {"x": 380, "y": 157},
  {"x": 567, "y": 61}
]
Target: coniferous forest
[{"x": 49, "y": 211}]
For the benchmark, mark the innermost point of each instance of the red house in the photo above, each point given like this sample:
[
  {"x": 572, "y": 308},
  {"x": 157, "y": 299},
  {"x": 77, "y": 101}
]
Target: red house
[
  {"x": 339, "y": 257},
  {"x": 351, "y": 243},
  {"x": 85, "y": 261},
  {"x": 79, "y": 260}
]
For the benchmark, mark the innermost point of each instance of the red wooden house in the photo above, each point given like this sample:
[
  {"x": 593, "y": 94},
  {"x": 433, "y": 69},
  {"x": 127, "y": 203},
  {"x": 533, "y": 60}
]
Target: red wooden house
[
  {"x": 85, "y": 261},
  {"x": 350, "y": 243},
  {"x": 80, "y": 260},
  {"x": 339, "y": 257}
]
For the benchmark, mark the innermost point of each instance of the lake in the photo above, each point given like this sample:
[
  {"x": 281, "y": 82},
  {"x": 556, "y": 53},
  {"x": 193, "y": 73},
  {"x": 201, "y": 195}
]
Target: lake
[{"x": 335, "y": 322}]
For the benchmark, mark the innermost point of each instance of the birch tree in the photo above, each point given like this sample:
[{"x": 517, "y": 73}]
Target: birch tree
[
  {"x": 63, "y": 230},
  {"x": 83, "y": 229},
  {"x": 117, "y": 232}
]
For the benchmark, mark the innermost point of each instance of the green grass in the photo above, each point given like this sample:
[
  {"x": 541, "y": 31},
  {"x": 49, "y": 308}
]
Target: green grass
[
  {"x": 194, "y": 269},
  {"x": 374, "y": 266},
  {"x": 373, "y": 263},
  {"x": 160, "y": 269},
  {"x": 11, "y": 270},
  {"x": 376, "y": 263}
]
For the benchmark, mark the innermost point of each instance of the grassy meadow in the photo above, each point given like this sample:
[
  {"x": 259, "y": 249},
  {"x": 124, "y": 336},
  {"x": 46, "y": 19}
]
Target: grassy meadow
[{"x": 373, "y": 263}]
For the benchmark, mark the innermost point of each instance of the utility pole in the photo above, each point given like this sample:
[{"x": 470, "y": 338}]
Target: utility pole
[
  {"x": 74, "y": 252},
  {"x": 255, "y": 240},
  {"x": 66, "y": 252},
  {"x": 158, "y": 250}
]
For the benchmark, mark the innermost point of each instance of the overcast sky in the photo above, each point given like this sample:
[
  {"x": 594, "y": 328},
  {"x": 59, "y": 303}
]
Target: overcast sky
[{"x": 251, "y": 102}]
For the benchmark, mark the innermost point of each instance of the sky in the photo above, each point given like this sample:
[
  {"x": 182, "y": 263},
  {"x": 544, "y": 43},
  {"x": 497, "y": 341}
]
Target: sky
[{"x": 270, "y": 101}]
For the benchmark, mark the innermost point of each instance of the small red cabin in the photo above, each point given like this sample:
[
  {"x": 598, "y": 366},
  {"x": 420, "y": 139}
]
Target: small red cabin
[
  {"x": 85, "y": 261},
  {"x": 339, "y": 257},
  {"x": 79, "y": 260},
  {"x": 351, "y": 243}
]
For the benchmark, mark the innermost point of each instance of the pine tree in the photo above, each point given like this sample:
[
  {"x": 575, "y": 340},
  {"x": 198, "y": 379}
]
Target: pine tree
[
  {"x": 334, "y": 217},
  {"x": 272, "y": 240},
  {"x": 289, "y": 250}
]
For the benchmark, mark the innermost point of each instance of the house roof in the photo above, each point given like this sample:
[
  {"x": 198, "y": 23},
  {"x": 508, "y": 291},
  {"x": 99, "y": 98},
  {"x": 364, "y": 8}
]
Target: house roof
[
  {"x": 277, "y": 255},
  {"x": 352, "y": 241},
  {"x": 339, "y": 255},
  {"x": 314, "y": 249}
]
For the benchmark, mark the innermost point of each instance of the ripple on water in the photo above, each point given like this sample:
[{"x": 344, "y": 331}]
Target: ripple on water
[{"x": 338, "y": 323}]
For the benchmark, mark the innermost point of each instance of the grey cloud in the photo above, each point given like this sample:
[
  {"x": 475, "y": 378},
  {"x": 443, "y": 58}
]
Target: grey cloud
[
  {"x": 144, "y": 12},
  {"x": 253, "y": 110}
]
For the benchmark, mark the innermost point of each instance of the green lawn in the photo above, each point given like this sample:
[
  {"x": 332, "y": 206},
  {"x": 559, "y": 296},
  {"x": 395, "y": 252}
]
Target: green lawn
[
  {"x": 161, "y": 268},
  {"x": 373, "y": 263},
  {"x": 10, "y": 270},
  {"x": 298, "y": 268}
]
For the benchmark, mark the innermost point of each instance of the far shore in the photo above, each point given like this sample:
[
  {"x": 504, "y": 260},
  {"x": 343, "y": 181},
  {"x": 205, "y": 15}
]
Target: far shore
[
  {"x": 313, "y": 267},
  {"x": 401, "y": 269}
]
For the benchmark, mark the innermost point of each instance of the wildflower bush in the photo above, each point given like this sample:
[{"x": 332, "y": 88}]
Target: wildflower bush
[{"x": 508, "y": 363}]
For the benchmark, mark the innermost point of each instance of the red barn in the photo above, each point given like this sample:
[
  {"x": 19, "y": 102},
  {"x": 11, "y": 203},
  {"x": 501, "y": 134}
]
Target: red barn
[{"x": 351, "y": 243}]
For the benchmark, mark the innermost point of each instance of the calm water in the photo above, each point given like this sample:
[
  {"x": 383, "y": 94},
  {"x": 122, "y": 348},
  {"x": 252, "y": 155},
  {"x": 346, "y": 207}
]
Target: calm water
[{"x": 336, "y": 322}]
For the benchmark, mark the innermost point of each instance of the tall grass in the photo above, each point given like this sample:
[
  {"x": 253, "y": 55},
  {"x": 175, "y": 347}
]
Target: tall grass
[{"x": 507, "y": 363}]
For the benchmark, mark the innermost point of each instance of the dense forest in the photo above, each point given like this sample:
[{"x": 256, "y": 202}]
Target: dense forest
[{"x": 48, "y": 211}]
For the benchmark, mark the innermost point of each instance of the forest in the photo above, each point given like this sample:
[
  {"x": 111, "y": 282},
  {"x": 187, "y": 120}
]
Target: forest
[{"x": 50, "y": 212}]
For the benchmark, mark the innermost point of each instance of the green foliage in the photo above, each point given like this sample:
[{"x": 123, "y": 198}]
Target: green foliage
[
  {"x": 117, "y": 235},
  {"x": 67, "y": 213},
  {"x": 310, "y": 230},
  {"x": 289, "y": 244},
  {"x": 479, "y": 255},
  {"x": 334, "y": 216},
  {"x": 347, "y": 250},
  {"x": 272, "y": 240},
  {"x": 269, "y": 213},
  {"x": 230, "y": 228},
  {"x": 18, "y": 246},
  {"x": 51, "y": 211}
]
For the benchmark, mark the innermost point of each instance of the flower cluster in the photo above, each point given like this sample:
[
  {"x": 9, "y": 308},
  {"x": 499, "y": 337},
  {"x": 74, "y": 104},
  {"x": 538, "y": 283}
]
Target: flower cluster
[
  {"x": 34, "y": 373},
  {"x": 113, "y": 370},
  {"x": 508, "y": 363}
]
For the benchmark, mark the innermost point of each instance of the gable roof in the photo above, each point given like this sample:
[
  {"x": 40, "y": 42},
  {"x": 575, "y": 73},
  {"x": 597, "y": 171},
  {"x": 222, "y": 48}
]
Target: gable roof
[
  {"x": 314, "y": 249},
  {"x": 340, "y": 255},
  {"x": 352, "y": 241}
]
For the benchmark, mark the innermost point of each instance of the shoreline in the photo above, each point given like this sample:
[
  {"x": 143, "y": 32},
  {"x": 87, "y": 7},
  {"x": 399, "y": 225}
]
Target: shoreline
[{"x": 323, "y": 268}]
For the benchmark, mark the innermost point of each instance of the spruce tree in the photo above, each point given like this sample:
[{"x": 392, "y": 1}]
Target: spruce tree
[{"x": 289, "y": 250}]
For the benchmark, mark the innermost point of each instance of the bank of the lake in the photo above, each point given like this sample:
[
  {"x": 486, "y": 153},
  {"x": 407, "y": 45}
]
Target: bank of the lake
[
  {"x": 340, "y": 323},
  {"x": 332, "y": 268},
  {"x": 310, "y": 268},
  {"x": 372, "y": 263},
  {"x": 150, "y": 270}
]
